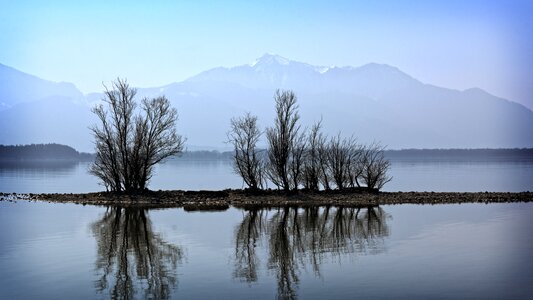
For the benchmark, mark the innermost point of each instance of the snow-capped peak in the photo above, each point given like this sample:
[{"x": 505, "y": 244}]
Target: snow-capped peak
[
  {"x": 269, "y": 59},
  {"x": 323, "y": 70}
]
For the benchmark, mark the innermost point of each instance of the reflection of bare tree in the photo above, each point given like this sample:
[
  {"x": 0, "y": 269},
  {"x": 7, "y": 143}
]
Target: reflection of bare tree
[
  {"x": 298, "y": 238},
  {"x": 285, "y": 243},
  {"x": 131, "y": 256},
  {"x": 246, "y": 237}
]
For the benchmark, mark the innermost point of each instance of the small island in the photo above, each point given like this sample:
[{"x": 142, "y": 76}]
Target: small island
[{"x": 221, "y": 200}]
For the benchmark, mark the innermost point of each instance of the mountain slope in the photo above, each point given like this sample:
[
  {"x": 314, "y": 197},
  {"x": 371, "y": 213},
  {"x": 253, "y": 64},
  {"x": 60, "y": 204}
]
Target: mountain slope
[
  {"x": 373, "y": 102},
  {"x": 17, "y": 87},
  {"x": 34, "y": 110},
  {"x": 271, "y": 72}
]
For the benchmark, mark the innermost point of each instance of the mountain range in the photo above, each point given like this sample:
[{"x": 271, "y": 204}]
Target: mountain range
[{"x": 372, "y": 102}]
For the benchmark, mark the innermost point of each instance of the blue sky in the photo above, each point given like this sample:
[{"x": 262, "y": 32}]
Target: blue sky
[{"x": 455, "y": 44}]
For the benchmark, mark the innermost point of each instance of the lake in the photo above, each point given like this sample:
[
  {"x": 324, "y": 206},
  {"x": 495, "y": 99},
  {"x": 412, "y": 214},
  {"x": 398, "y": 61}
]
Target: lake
[
  {"x": 472, "y": 251},
  {"x": 467, "y": 251},
  {"x": 440, "y": 174}
]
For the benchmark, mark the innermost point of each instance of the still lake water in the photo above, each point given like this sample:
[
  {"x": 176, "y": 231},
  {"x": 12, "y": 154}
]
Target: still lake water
[
  {"x": 508, "y": 174},
  {"x": 472, "y": 251},
  {"x": 468, "y": 251}
]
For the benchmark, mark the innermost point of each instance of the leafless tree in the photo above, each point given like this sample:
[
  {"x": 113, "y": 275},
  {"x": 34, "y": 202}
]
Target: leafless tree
[
  {"x": 296, "y": 160},
  {"x": 312, "y": 159},
  {"x": 342, "y": 153},
  {"x": 356, "y": 166},
  {"x": 128, "y": 145},
  {"x": 247, "y": 162},
  {"x": 282, "y": 139},
  {"x": 323, "y": 153},
  {"x": 375, "y": 166}
]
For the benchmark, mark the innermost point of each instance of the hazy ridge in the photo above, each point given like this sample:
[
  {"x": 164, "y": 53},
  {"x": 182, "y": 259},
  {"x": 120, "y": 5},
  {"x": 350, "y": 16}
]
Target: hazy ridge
[{"x": 373, "y": 102}]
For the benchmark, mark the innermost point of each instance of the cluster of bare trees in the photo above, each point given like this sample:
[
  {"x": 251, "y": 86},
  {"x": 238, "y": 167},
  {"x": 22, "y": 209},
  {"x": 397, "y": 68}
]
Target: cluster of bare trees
[
  {"x": 130, "y": 139},
  {"x": 295, "y": 158}
]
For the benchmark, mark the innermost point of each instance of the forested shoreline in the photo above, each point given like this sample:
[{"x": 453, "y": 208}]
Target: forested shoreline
[
  {"x": 65, "y": 152},
  {"x": 42, "y": 152}
]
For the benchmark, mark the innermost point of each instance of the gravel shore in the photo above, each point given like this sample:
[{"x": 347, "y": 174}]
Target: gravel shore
[{"x": 220, "y": 200}]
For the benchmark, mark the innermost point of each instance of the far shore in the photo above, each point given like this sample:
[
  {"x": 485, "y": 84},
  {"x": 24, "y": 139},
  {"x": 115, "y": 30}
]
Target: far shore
[{"x": 221, "y": 200}]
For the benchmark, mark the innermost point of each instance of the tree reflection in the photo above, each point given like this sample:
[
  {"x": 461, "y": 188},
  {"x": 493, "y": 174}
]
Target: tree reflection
[
  {"x": 132, "y": 258},
  {"x": 301, "y": 237}
]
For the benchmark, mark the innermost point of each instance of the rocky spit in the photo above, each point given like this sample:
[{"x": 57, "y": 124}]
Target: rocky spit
[{"x": 221, "y": 200}]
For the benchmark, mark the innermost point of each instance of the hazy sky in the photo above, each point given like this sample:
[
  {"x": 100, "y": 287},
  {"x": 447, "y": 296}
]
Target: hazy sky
[{"x": 455, "y": 44}]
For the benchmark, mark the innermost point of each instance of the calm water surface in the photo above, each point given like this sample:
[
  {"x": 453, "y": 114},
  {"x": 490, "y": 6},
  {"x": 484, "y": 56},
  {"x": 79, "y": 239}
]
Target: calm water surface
[
  {"x": 474, "y": 251},
  {"x": 463, "y": 175}
]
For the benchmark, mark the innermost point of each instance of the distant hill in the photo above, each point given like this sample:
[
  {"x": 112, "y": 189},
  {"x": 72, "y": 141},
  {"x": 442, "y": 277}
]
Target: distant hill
[
  {"x": 41, "y": 152},
  {"x": 18, "y": 87},
  {"x": 373, "y": 102},
  {"x": 34, "y": 110}
]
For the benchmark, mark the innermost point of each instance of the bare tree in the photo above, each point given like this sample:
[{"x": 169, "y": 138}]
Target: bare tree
[
  {"x": 342, "y": 153},
  {"x": 282, "y": 138},
  {"x": 323, "y": 150},
  {"x": 128, "y": 145},
  {"x": 296, "y": 160},
  {"x": 312, "y": 160},
  {"x": 356, "y": 167},
  {"x": 244, "y": 135},
  {"x": 375, "y": 166}
]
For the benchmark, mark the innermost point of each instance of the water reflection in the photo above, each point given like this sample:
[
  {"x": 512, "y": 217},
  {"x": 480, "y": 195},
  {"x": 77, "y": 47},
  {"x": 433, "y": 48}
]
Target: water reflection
[
  {"x": 48, "y": 167},
  {"x": 132, "y": 258},
  {"x": 302, "y": 237}
]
